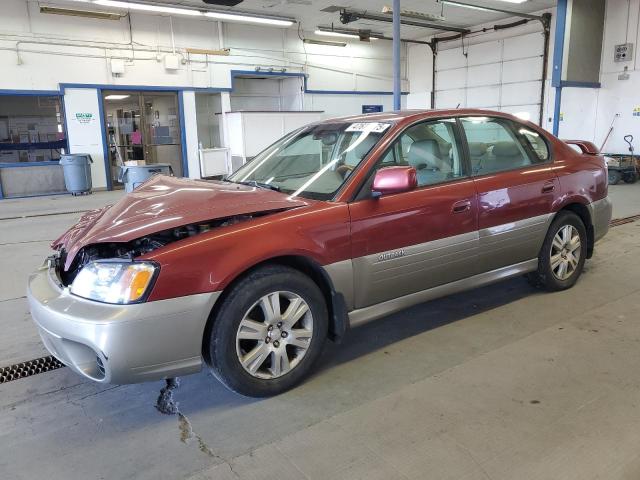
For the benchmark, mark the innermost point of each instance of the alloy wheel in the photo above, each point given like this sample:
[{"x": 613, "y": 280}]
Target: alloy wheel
[
  {"x": 565, "y": 252},
  {"x": 274, "y": 335}
]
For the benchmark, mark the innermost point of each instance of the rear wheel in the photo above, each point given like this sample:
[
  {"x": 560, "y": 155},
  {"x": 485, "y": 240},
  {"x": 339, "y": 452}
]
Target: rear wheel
[
  {"x": 563, "y": 253},
  {"x": 614, "y": 177},
  {"x": 269, "y": 332},
  {"x": 630, "y": 177}
]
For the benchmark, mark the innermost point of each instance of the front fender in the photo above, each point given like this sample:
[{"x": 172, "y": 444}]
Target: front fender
[{"x": 210, "y": 261}]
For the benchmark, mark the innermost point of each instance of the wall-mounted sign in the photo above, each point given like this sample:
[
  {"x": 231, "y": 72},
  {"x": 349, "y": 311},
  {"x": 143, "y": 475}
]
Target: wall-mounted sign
[
  {"x": 371, "y": 108},
  {"x": 636, "y": 112},
  {"x": 623, "y": 53},
  {"x": 85, "y": 118}
]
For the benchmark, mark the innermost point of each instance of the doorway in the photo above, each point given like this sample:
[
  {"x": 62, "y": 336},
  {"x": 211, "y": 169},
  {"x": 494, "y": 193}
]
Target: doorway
[{"x": 143, "y": 127}]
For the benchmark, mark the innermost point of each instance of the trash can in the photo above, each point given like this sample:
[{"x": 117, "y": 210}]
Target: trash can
[
  {"x": 133, "y": 175},
  {"x": 77, "y": 172}
]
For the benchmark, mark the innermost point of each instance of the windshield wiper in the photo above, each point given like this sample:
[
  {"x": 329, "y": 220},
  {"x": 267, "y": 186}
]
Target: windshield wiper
[{"x": 254, "y": 183}]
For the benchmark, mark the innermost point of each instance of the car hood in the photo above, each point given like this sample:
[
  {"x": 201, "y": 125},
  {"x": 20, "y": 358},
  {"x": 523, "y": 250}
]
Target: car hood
[{"x": 165, "y": 202}]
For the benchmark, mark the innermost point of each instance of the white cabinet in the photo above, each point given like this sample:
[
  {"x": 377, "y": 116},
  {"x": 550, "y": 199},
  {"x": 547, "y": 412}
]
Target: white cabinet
[{"x": 252, "y": 132}]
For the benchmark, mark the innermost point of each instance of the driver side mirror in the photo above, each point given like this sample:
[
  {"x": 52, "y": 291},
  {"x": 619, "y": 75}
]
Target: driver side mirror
[{"x": 390, "y": 180}]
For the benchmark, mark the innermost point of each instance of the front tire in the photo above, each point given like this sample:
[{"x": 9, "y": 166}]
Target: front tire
[
  {"x": 563, "y": 253},
  {"x": 268, "y": 332}
]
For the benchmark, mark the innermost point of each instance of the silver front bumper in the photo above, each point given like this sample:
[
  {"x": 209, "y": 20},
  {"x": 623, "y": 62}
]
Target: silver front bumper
[{"x": 119, "y": 343}]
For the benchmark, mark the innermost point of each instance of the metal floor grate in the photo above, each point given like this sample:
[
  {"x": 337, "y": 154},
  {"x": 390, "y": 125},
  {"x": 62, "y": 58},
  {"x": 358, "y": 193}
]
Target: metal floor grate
[
  {"x": 28, "y": 368},
  {"x": 621, "y": 221}
]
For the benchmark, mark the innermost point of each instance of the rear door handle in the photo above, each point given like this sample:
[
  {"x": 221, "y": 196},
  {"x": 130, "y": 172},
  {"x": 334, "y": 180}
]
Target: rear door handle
[
  {"x": 548, "y": 187},
  {"x": 461, "y": 206}
]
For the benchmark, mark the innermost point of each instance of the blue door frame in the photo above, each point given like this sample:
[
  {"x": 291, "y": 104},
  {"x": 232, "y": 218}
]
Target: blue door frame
[{"x": 135, "y": 88}]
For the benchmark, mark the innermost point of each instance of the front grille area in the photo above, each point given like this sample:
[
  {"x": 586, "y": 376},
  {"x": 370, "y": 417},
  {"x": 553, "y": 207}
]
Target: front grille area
[{"x": 29, "y": 368}]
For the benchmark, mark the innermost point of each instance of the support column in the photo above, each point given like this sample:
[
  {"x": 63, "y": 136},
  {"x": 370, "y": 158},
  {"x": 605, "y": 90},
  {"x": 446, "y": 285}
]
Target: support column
[{"x": 397, "y": 85}]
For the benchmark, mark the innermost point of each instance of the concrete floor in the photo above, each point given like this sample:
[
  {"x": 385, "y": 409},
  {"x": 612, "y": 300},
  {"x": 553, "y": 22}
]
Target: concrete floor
[{"x": 503, "y": 382}]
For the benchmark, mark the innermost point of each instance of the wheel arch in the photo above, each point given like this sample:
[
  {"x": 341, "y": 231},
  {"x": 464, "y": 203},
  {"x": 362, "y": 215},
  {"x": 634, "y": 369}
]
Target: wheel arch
[
  {"x": 336, "y": 305},
  {"x": 585, "y": 215}
]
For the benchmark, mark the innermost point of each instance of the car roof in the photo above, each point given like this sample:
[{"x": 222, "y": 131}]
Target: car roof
[{"x": 410, "y": 115}]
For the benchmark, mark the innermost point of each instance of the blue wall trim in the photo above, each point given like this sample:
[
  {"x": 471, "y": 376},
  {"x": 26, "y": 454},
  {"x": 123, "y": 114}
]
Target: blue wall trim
[
  {"x": 31, "y": 93},
  {"x": 142, "y": 88},
  {"x": 569, "y": 83},
  {"x": 52, "y": 163},
  {"x": 183, "y": 135}
]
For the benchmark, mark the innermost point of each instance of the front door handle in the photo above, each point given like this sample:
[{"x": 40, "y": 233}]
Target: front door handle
[
  {"x": 548, "y": 187},
  {"x": 461, "y": 206}
]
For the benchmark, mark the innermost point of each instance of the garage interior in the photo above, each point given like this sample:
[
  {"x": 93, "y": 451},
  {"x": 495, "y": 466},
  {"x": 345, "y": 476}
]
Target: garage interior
[{"x": 502, "y": 382}]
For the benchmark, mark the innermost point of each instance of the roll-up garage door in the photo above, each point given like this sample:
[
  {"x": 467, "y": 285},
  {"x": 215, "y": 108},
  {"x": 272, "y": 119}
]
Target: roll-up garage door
[{"x": 504, "y": 75}]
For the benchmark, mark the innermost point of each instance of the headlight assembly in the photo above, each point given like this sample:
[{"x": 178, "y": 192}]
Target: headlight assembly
[{"x": 115, "y": 282}]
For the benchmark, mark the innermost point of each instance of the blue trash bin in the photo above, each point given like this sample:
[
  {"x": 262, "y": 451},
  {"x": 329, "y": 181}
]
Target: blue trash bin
[
  {"x": 132, "y": 176},
  {"x": 77, "y": 172}
]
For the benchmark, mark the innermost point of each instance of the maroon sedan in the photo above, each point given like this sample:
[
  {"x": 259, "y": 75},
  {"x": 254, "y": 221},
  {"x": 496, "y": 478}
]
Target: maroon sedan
[{"x": 338, "y": 223}]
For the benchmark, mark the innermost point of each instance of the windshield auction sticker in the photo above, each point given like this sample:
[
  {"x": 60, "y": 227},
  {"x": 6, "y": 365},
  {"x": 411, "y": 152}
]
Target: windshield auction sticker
[{"x": 375, "y": 127}]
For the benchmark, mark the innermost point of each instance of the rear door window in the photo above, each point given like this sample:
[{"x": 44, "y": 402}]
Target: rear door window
[{"x": 493, "y": 145}]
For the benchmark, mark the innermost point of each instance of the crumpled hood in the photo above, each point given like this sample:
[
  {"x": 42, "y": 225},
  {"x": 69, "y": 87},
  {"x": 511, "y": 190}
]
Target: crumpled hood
[{"x": 165, "y": 202}]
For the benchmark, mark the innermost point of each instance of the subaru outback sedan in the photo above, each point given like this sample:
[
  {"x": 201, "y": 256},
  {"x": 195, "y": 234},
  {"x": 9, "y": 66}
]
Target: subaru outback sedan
[{"x": 338, "y": 223}]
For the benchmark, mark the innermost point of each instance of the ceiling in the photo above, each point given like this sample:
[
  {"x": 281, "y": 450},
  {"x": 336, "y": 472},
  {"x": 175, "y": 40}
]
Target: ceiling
[{"x": 309, "y": 13}]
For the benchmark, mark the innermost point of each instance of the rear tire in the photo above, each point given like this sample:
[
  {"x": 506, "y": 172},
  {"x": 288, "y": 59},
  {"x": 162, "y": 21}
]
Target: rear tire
[
  {"x": 614, "y": 177},
  {"x": 630, "y": 177},
  {"x": 268, "y": 332},
  {"x": 562, "y": 255}
]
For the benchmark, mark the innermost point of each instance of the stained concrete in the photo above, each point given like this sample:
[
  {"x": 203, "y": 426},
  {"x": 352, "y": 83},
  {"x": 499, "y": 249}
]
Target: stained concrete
[{"x": 499, "y": 383}]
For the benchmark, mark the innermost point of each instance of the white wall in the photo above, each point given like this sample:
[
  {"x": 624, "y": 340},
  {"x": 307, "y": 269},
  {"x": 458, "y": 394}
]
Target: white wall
[
  {"x": 39, "y": 51},
  {"x": 588, "y": 113}
]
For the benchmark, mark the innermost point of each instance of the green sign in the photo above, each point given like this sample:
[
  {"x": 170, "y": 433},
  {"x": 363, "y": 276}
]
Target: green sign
[{"x": 84, "y": 118}]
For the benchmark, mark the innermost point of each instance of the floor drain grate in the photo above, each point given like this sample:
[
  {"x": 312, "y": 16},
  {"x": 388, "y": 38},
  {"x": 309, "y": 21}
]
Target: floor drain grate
[
  {"x": 622, "y": 221},
  {"x": 28, "y": 368}
]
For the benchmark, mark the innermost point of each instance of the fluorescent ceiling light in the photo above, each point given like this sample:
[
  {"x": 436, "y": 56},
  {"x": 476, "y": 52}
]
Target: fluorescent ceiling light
[
  {"x": 232, "y": 17},
  {"x": 148, "y": 8},
  {"x": 477, "y": 7},
  {"x": 328, "y": 33},
  {"x": 324, "y": 42},
  {"x": 72, "y": 12},
  {"x": 116, "y": 97}
]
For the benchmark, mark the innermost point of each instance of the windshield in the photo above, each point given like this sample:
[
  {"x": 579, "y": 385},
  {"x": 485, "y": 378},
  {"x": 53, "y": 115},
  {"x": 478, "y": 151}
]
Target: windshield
[{"x": 313, "y": 162}]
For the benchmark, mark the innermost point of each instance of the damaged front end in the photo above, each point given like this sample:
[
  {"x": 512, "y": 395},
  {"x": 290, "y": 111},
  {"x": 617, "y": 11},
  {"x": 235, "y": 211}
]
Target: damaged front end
[{"x": 128, "y": 251}]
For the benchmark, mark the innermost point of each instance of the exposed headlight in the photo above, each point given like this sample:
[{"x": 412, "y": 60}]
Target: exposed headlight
[{"x": 114, "y": 282}]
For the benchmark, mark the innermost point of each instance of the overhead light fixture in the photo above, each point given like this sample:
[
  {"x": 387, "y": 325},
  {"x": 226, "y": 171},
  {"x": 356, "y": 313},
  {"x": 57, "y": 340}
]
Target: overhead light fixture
[
  {"x": 147, "y": 7},
  {"x": 233, "y": 17},
  {"x": 116, "y": 97},
  {"x": 72, "y": 12},
  {"x": 329, "y": 33},
  {"x": 324, "y": 42},
  {"x": 218, "y": 15},
  {"x": 453, "y": 3},
  {"x": 363, "y": 35},
  {"x": 413, "y": 14}
]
